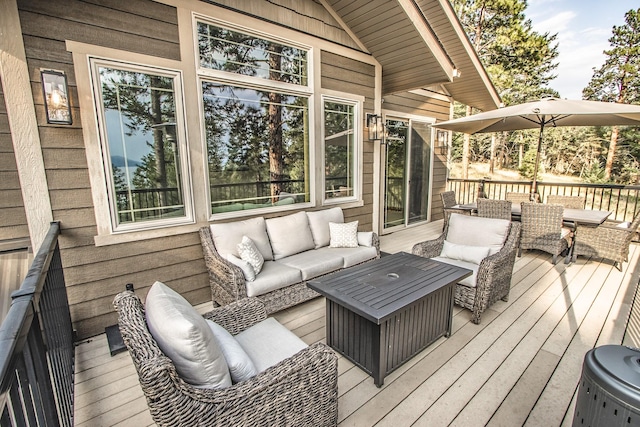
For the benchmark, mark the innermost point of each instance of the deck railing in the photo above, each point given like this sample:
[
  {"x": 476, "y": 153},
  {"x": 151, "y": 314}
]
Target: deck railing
[
  {"x": 622, "y": 200},
  {"x": 37, "y": 346}
]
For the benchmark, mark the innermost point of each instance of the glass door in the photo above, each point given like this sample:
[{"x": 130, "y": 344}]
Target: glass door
[{"x": 407, "y": 168}]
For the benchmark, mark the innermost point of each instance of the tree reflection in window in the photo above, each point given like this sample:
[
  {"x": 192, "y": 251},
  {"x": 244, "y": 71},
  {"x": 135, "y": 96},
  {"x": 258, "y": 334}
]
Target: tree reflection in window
[
  {"x": 339, "y": 149},
  {"x": 140, "y": 127}
]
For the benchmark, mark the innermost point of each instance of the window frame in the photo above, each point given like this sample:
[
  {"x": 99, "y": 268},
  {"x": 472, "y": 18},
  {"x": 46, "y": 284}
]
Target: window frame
[
  {"x": 357, "y": 103},
  {"x": 223, "y": 77},
  {"x": 95, "y": 62}
]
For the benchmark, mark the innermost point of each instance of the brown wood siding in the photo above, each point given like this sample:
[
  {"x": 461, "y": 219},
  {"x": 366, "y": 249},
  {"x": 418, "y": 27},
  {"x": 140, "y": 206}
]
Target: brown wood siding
[
  {"x": 13, "y": 219},
  {"x": 95, "y": 274},
  {"x": 354, "y": 77},
  {"x": 309, "y": 17},
  {"x": 410, "y": 103}
]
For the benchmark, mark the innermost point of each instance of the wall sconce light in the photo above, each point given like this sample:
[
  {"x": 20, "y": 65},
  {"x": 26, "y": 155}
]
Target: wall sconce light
[
  {"x": 376, "y": 127},
  {"x": 443, "y": 141},
  {"x": 56, "y": 97}
]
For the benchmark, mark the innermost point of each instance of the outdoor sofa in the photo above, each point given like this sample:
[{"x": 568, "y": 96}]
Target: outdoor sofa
[
  {"x": 232, "y": 366},
  {"x": 295, "y": 248}
]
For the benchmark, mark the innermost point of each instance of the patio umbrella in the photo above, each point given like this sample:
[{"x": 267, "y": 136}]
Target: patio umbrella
[{"x": 546, "y": 112}]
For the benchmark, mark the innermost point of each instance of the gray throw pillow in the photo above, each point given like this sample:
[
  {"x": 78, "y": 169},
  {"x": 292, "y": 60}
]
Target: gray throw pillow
[
  {"x": 184, "y": 336},
  {"x": 250, "y": 253},
  {"x": 343, "y": 235},
  {"x": 247, "y": 271},
  {"x": 240, "y": 365}
]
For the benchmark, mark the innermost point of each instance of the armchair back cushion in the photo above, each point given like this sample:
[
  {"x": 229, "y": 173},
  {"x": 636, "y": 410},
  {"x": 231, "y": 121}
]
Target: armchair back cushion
[
  {"x": 184, "y": 336},
  {"x": 319, "y": 224},
  {"x": 476, "y": 231},
  {"x": 226, "y": 236},
  {"x": 289, "y": 235}
]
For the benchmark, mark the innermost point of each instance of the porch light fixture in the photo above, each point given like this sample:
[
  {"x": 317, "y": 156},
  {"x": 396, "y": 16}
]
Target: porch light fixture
[
  {"x": 443, "y": 141},
  {"x": 376, "y": 127},
  {"x": 56, "y": 97}
]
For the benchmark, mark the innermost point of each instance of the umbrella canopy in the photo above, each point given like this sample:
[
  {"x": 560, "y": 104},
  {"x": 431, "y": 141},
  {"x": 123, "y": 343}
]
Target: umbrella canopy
[{"x": 543, "y": 113}]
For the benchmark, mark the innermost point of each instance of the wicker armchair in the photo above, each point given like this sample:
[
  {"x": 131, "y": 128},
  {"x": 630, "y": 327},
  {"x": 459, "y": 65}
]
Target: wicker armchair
[
  {"x": 301, "y": 390},
  {"x": 489, "y": 208},
  {"x": 569, "y": 202},
  {"x": 609, "y": 240},
  {"x": 515, "y": 197},
  {"x": 542, "y": 229},
  {"x": 448, "y": 201},
  {"x": 493, "y": 281}
]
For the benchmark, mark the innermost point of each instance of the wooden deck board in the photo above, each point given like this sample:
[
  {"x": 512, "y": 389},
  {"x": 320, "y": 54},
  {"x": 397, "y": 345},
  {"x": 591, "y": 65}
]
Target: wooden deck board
[{"x": 520, "y": 366}]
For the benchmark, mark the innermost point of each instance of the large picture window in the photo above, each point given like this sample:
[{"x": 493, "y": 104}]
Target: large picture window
[
  {"x": 256, "y": 129},
  {"x": 142, "y": 145},
  {"x": 340, "y": 153}
]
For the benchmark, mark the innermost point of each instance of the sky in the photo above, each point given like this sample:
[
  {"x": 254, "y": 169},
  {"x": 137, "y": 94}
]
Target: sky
[{"x": 584, "y": 28}]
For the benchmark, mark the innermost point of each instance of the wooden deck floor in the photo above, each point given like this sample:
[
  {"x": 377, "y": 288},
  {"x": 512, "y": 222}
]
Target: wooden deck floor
[{"x": 520, "y": 366}]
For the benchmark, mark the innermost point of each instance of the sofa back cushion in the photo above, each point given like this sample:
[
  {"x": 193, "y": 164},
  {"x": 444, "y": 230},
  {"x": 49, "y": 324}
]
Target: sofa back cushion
[
  {"x": 477, "y": 231},
  {"x": 319, "y": 224},
  {"x": 227, "y": 235},
  {"x": 289, "y": 235},
  {"x": 184, "y": 336}
]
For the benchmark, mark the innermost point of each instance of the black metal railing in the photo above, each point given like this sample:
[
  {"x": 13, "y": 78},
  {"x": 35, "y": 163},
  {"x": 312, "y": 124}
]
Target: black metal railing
[
  {"x": 622, "y": 200},
  {"x": 37, "y": 346}
]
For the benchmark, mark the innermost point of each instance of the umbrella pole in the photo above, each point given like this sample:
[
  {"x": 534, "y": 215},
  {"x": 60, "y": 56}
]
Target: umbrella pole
[{"x": 534, "y": 185}]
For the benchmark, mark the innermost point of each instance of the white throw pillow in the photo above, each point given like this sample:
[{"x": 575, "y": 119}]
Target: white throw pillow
[
  {"x": 249, "y": 253},
  {"x": 247, "y": 270},
  {"x": 365, "y": 238},
  {"x": 184, "y": 336},
  {"x": 343, "y": 235},
  {"x": 240, "y": 365},
  {"x": 472, "y": 254}
]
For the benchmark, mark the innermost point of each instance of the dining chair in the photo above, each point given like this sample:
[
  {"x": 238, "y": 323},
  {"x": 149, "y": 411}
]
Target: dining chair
[
  {"x": 569, "y": 202},
  {"x": 609, "y": 240},
  {"x": 448, "y": 201},
  {"x": 517, "y": 197},
  {"x": 489, "y": 208},
  {"x": 542, "y": 229}
]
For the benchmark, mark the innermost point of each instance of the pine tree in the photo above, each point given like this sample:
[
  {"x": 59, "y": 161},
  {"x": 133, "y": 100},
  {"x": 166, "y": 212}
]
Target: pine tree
[{"x": 618, "y": 80}]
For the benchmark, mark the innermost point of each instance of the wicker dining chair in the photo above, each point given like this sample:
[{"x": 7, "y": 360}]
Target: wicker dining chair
[
  {"x": 300, "y": 390},
  {"x": 489, "y": 208},
  {"x": 569, "y": 202},
  {"x": 517, "y": 198},
  {"x": 448, "y": 201},
  {"x": 609, "y": 240},
  {"x": 542, "y": 229}
]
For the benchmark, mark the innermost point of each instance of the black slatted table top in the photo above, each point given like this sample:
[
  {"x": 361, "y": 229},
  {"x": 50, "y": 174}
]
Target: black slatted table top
[{"x": 377, "y": 289}]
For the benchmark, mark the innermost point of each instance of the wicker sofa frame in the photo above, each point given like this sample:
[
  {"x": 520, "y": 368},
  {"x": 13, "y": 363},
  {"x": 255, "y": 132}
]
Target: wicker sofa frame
[
  {"x": 301, "y": 390},
  {"x": 493, "y": 281},
  {"x": 606, "y": 241},
  {"x": 228, "y": 283}
]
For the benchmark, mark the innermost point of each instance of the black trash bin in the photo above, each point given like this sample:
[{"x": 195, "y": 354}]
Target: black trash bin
[{"x": 609, "y": 390}]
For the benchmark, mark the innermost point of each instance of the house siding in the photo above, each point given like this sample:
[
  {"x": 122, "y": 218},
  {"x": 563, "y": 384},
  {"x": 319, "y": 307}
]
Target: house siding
[
  {"x": 13, "y": 219},
  {"x": 94, "y": 274}
]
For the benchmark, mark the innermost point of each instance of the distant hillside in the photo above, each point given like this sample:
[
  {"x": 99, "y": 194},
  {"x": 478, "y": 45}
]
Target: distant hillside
[{"x": 119, "y": 162}]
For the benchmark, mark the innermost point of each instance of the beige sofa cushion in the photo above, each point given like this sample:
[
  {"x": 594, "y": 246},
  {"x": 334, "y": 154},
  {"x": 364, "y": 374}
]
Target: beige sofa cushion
[
  {"x": 319, "y": 224},
  {"x": 184, "y": 336},
  {"x": 314, "y": 263},
  {"x": 351, "y": 256},
  {"x": 227, "y": 235},
  {"x": 289, "y": 235},
  {"x": 274, "y": 275},
  {"x": 477, "y": 231}
]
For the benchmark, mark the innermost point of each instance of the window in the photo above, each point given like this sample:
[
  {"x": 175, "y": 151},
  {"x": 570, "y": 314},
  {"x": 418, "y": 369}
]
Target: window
[
  {"x": 144, "y": 157},
  {"x": 256, "y": 129},
  {"x": 340, "y": 150}
]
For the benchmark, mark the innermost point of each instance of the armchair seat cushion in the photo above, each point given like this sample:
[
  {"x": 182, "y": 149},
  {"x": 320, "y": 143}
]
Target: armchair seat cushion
[
  {"x": 467, "y": 281},
  {"x": 274, "y": 275},
  {"x": 268, "y": 342},
  {"x": 314, "y": 263}
]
